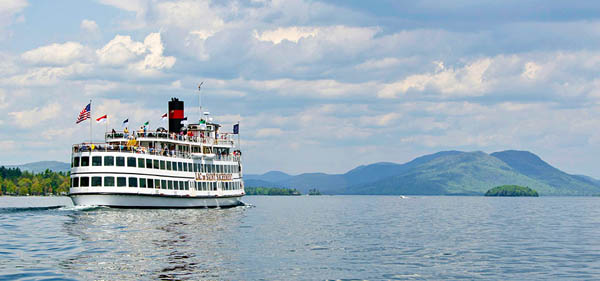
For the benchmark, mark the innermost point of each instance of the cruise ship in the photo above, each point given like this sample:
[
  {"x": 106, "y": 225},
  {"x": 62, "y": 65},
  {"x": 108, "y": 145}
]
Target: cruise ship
[{"x": 184, "y": 166}]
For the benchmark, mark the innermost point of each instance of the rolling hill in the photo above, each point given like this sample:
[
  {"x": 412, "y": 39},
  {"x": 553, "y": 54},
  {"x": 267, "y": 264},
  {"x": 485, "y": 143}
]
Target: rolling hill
[
  {"x": 38, "y": 167},
  {"x": 445, "y": 173}
]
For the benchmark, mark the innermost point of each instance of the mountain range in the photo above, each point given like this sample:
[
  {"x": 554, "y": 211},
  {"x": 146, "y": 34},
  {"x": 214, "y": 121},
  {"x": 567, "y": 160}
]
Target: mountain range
[
  {"x": 442, "y": 173},
  {"x": 38, "y": 167}
]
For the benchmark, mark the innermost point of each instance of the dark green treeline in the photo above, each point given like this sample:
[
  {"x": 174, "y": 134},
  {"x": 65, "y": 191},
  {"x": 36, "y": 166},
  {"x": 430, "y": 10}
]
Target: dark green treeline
[{"x": 13, "y": 181}]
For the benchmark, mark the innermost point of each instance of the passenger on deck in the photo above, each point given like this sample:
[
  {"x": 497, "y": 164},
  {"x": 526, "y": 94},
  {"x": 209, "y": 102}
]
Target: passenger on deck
[{"x": 126, "y": 132}]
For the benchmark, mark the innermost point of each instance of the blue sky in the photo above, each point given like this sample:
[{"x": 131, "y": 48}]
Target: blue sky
[{"x": 318, "y": 86}]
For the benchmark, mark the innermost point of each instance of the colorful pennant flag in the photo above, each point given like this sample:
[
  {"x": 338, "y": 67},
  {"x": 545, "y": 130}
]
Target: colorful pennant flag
[{"x": 101, "y": 119}]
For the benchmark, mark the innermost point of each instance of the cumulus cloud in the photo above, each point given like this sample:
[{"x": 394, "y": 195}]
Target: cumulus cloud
[
  {"x": 120, "y": 51},
  {"x": 144, "y": 57},
  {"x": 57, "y": 54},
  {"x": 468, "y": 81}
]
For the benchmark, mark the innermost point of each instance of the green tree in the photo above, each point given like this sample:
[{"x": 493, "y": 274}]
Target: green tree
[
  {"x": 11, "y": 188},
  {"x": 23, "y": 186}
]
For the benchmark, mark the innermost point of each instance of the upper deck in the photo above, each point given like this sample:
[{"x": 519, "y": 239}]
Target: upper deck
[{"x": 224, "y": 140}]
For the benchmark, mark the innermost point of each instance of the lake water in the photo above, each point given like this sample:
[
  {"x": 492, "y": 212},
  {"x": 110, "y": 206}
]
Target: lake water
[{"x": 300, "y": 238}]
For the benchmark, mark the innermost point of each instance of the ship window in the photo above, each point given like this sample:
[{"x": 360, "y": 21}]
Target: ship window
[
  {"x": 169, "y": 166},
  {"x": 162, "y": 164},
  {"x": 190, "y": 167},
  {"x": 121, "y": 181},
  {"x": 133, "y": 182},
  {"x": 179, "y": 166},
  {"x": 96, "y": 181},
  {"x": 163, "y": 183},
  {"x": 84, "y": 181},
  {"x": 120, "y": 161},
  {"x": 131, "y": 162},
  {"x": 97, "y": 161},
  {"x": 155, "y": 164},
  {"x": 109, "y": 181},
  {"x": 185, "y": 167},
  {"x": 157, "y": 184},
  {"x": 214, "y": 185},
  {"x": 170, "y": 184},
  {"x": 141, "y": 163},
  {"x": 150, "y": 183},
  {"x": 149, "y": 165},
  {"x": 76, "y": 161},
  {"x": 75, "y": 182},
  {"x": 142, "y": 183},
  {"x": 85, "y": 161},
  {"x": 109, "y": 161},
  {"x": 187, "y": 185},
  {"x": 176, "y": 185}
]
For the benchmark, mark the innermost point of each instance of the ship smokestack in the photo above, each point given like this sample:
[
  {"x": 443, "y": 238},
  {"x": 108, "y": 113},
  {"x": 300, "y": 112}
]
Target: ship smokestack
[{"x": 175, "y": 115}]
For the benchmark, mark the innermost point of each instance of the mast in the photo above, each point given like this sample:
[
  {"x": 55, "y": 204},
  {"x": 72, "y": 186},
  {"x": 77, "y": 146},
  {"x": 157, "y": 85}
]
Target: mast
[
  {"x": 200, "y": 99},
  {"x": 90, "y": 122}
]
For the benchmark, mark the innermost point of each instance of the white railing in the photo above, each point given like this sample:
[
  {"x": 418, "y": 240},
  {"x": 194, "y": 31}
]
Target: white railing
[
  {"x": 105, "y": 147},
  {"x": 225, "y": 138}
]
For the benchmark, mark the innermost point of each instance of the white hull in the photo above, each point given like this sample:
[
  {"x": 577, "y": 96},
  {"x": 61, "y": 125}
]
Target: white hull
[{"x": 144, "y": 201}]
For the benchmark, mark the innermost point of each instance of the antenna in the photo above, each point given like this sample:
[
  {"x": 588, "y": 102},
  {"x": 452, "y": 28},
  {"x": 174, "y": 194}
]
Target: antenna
[{"x": 199, "y": 91}]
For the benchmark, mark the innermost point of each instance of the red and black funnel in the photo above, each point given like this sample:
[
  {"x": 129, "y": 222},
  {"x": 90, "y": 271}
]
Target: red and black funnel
[{"x": 175, "y": 115}]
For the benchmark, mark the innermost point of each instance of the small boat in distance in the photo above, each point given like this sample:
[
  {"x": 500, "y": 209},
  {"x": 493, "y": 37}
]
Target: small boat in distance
[{"x": 184, "y": 166}]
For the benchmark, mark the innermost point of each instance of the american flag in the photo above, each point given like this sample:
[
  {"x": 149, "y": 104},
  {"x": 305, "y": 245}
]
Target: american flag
[{"x": 84, "y": 114}]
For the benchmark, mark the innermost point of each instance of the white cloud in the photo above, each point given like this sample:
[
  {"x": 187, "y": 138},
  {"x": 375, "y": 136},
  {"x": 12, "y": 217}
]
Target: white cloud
[
  {"x": 531, "y": 70},
  {"x": 146, "y": 58},
  {"x": 154, "y": 60},
  {"x": 120, "y": 51},
  {"x": 292, "y": 34},
  {"x": 47, "y": 76},
  {"x": 467, "y": 81},
  {"x": 32, "y": 117},
  {"x": 8, "y": 10},
  {"x": 89, "y": 26},
  {"x": 57, "y": 54}
]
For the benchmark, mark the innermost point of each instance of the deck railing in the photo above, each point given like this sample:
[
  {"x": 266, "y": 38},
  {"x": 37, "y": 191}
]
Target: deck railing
[
  {"x": 225, "y": 138},
  {"x": 105, "y": 147}
]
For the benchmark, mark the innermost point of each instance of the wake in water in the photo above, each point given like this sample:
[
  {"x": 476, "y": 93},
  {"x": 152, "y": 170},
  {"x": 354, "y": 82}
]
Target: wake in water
[
  {"x": 28, "y": 209},
  {"x": 82, "y": 208}
]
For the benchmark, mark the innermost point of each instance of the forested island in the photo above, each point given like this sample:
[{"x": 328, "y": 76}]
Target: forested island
[
  {"x": 511, "y": 190},
  {"x": 15, "y": 182},
  {"x": 271, "y": 191}
]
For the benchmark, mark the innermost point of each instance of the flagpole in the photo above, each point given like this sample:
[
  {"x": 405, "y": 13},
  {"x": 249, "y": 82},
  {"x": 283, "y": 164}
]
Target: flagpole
[
  {"x": 91, "y": 122},
  {"x": 239, "y": 140}
]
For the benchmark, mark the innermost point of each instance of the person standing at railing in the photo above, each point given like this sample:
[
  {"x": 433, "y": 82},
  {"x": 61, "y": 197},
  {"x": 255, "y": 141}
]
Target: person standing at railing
[{"x": 126, "y": 132}]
